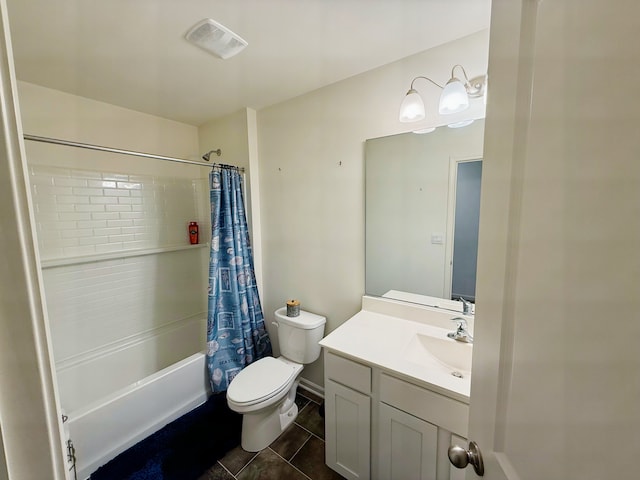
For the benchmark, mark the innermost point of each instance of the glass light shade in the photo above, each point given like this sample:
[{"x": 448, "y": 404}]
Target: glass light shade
[
  {"x": 412, "y": 107},
  {"x": 454, "y": 98}
]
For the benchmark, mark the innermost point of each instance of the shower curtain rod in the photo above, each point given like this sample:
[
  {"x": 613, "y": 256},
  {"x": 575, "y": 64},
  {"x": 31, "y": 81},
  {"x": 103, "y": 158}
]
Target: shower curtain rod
[{"x": 89, "y": 146}]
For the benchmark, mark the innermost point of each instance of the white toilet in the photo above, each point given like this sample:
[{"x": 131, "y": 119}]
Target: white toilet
[{"x": 265, "y": 391}]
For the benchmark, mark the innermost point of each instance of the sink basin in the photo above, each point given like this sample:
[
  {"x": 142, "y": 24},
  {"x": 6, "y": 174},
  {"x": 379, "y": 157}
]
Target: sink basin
[{"x": 449, "y": 354}]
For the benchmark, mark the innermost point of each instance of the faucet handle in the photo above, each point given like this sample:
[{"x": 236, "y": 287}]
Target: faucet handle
[
  {"x": 462, "y": 333},
  {"x": 460, "y": 322}
]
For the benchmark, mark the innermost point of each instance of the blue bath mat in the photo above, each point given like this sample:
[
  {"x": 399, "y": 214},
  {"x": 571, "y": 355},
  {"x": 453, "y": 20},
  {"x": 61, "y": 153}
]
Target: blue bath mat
[{"x": 182, "y": 450}]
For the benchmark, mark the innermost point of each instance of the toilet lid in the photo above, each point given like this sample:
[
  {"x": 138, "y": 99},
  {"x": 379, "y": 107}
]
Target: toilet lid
[{"x": 260, "y": 380}]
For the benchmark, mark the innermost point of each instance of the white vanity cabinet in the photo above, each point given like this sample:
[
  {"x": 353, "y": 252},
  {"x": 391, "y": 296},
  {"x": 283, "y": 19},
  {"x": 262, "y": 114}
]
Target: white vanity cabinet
[{"x": 383, "y": 427}]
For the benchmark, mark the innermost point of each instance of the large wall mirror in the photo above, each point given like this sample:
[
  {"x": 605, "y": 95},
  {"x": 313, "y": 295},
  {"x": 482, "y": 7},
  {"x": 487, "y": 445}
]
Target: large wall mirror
[{"x": 422, "y": 212}]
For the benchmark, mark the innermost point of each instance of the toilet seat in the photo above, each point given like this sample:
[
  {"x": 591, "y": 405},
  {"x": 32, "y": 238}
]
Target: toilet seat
[{"x": 261, "y": 380}]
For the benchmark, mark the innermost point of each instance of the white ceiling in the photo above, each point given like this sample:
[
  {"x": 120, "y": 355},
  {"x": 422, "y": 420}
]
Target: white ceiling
[{"x": 133, "y": 53}]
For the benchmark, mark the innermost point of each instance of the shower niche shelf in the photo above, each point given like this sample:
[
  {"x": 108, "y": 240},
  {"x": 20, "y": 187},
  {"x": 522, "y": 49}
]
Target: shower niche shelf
[{"x": 100, "y": 257}]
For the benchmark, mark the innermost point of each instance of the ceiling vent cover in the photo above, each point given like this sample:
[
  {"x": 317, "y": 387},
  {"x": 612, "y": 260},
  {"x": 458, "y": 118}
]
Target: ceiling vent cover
[{"x": 216, "y": 39}]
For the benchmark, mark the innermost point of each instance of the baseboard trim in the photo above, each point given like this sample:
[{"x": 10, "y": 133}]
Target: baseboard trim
[{"x": 312, "y": 387}]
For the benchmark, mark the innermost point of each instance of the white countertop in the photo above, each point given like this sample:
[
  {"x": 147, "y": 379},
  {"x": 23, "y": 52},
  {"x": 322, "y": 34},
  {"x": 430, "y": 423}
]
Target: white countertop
[{"x": 382, "y": 340}]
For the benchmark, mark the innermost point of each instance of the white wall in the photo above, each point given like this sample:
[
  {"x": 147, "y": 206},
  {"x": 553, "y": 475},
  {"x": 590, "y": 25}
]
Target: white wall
[
  {"x": 115, "y": 317},
  {"x": 236, "y": 136},
  {"x": 312, "y": 178}
]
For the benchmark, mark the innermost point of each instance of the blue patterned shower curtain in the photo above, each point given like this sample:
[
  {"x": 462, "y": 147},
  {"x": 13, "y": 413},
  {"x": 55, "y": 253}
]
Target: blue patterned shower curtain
[{"x": 236, "y": 334}]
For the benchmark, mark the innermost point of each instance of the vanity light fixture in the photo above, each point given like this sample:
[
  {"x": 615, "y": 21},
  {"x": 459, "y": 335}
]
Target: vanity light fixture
[{"x": 453, "y": 99}]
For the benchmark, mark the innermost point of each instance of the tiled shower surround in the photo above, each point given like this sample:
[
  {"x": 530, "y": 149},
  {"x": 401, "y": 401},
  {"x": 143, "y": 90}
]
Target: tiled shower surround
[
  {"x": 82, "y": 212},
  {"x": 125, "y": 292}
]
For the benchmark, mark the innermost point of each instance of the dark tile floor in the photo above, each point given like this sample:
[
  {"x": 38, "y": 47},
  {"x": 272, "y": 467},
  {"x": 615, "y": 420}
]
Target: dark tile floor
[{"x": 297, "y": 454}]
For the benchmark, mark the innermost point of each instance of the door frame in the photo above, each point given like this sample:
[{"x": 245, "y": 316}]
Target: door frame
[{"x": 32, "y": 437}]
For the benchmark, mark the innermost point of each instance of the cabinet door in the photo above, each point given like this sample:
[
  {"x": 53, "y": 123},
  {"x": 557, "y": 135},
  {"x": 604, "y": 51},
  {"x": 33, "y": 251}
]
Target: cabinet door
[
  {"x": 408, "y": 446},
  {"x": 348, "y": 431}
]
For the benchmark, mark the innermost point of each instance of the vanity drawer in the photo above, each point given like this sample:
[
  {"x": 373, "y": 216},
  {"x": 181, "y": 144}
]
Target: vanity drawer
[
  {"x": 432, "y": 407},
  {"x": 347, "y": 372}
]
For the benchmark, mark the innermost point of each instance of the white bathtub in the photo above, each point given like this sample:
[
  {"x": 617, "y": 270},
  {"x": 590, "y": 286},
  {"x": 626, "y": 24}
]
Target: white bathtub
[{"x": 109, "y": 426}]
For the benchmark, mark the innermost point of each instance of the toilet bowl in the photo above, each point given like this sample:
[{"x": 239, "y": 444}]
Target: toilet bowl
[{"x": 264, "y": 392}]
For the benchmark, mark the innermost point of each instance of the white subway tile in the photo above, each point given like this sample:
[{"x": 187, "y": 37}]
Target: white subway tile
[
  {"x": 74, "y": 199},
  {"x": 41, "y": 180},
  {"x": 62, "y": 242},
  {"x": 105, "y": 216},
  {"x": 76, "y": 233},
  {"x": 89, "y": 208},
  {"x": 92, "y": 224},
  {"x": 51, "y": 171},
  {"x": 46, "y": 235},
  {"x": 121, "y": 238},
  {"x": 81, "y": 250},
  {"x": 47, "y": 217},
  {"x": 144, "y": 236},
  {"x": 118, "y": 208},
  {"x": 52, "y": 190},
  {"x": 116, "y": 192},
  {"x": 84, "y": 174},
  {"x": 132, "y": 215},
  {"x": 130, "y": 185},
  {"x": 44, "y": 199},
  {"x": 74, "y": 216},
  {"x": 120, "y": 223},
  {"x": 64, "y": 208},
  {"x": 70, "y": 182},
  {"x": 133, "y": 230},
  {"x": 109, "y": 247},
  {"x": 135, "y": 244},
  {"x": 88, "y": 191},
  {"x": 94, "y": 240},
  {"x": 104, "y": 200},
  {"x": 48, "y": 252},
  {"x": 130, "y": 200},
  {"x": 56, "y": 225},
  {"x": 101, "y": 184},
  {"x": 117, "y": 177},
  {"x": 107, "y": 231}
]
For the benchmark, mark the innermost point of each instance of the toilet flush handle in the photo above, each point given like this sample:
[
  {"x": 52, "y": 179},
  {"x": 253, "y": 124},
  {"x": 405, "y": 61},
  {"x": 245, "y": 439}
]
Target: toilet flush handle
[{"x": 275, "y": 324}]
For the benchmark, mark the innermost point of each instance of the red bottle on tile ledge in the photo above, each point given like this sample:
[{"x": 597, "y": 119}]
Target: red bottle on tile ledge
[{"x": 193, "y": 233}]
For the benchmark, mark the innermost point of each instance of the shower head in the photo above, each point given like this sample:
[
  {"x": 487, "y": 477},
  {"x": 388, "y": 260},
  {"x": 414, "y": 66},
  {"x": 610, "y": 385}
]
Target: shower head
[{"x": 206, "y": 156}]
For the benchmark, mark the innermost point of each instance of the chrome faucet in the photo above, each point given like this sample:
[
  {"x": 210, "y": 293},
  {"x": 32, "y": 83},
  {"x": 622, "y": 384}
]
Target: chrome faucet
[
  {"x": 462, "y": 331},
  {"x": 466, "y": 306}
]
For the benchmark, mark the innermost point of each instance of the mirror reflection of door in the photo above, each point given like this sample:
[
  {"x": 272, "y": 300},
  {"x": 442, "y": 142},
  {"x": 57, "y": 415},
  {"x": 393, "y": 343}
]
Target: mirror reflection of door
[{"x": 465, "y": 235}]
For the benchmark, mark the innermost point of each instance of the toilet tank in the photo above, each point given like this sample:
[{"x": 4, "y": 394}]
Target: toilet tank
[{"x": 299, "y": 336}]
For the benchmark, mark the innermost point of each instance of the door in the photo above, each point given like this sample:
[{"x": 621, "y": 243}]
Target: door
[{"x": 555, "y": 386}]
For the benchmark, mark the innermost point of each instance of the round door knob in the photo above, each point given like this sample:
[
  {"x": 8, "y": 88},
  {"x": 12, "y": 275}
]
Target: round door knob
[{"x": 460, "y": 458}]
